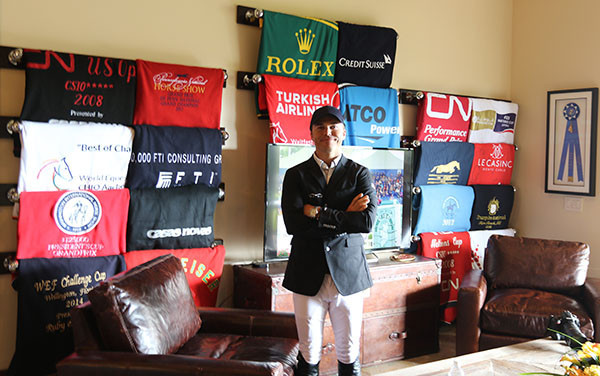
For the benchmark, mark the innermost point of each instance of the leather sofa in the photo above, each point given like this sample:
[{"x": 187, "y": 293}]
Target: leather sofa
[
  {"x": 523, "y": 282},
  {"x": 144, "y": 322}
]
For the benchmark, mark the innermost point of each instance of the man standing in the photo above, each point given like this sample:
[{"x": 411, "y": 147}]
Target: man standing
[{"x": 327, "y": 202}]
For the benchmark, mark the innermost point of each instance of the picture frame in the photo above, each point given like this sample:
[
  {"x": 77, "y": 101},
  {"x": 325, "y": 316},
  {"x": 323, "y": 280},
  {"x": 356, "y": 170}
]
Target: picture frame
[{"x": 571, "y": 134}]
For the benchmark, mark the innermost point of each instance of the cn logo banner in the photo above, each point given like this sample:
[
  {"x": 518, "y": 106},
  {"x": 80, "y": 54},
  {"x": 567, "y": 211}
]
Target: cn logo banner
[
  {"x": 47, "y": 290},
  {"x": 493, "y": 121},
  {"x": 172, "y": 218},
  {"x": 68, "y": 156},
  {"x": 291, "y": 102},
  {"x": 78, "y": 87},
  {"x": 492, "y": 164},
  {"x": 444, "y": 207},
  {"x": 454, "y": 249},
  {"x": 72, "y": 223},
  {"x": 444, "y": 163},
  {"x": 203, "y": 268},
  {"x": 298, "y": 47},
  {"x": 181, "y": 95},
  {"x": 165, "y": 157},
  {"x": 371, "y": 116},
  {"x": 443, "y": 118},
  {"x": 365, "y": 55}
]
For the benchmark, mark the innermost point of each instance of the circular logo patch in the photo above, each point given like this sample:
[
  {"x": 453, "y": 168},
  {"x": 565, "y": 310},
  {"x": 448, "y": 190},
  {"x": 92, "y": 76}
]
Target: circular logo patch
[{"x": 77, "y": 212}]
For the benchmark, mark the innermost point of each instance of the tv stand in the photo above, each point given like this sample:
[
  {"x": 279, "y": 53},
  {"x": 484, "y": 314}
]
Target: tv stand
[{"x": 400, "y": 315}]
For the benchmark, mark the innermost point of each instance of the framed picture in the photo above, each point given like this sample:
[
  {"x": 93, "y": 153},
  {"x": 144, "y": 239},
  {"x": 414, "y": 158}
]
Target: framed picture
[{"x": 571, "y": 141}]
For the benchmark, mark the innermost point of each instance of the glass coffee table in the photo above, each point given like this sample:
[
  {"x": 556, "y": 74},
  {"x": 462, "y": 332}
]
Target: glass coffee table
[{"x": 540, "y": 355}]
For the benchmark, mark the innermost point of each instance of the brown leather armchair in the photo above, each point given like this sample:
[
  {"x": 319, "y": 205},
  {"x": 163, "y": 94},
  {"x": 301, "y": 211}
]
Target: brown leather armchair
[
  {"x": 144, "y": 322},
  {"x": 523, "y": 282}
]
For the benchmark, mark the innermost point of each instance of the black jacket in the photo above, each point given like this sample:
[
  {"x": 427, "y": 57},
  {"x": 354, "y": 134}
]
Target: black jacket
[{"x": 333, "y": 243}]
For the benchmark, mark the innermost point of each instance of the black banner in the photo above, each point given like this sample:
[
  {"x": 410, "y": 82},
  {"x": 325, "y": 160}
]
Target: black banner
[{"x": 78, "y": 87}]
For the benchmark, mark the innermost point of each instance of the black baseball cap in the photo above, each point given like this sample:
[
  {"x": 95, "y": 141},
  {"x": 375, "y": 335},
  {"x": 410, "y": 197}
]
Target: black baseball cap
[{"x": 325, "y": 111}]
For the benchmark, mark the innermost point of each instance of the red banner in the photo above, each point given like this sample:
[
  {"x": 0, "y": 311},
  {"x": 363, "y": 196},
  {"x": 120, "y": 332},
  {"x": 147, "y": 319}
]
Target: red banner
[
  {"x": 203, "y": 268},
  {"x": 72, "y": 223},
  {"x": 291, "y": 103},
  {"x": 492, "y": 164},
  {"x": 169, "y": 94},
  {"x": 454, "y": 249},
  {"x": 443, "y": 118}
]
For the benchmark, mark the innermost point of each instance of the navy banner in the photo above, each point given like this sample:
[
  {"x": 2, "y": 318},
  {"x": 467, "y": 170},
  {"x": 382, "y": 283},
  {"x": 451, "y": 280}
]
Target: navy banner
[
  {"x": 492, "y": 206},
  {"x": 165, "y": 157},
  {"x": 444, "y": 207},
  {"x": 444, "y": 163},
  {"x": 78, "y": 87},
  {"x": 371, "y": 116},
  {"x": 365, "y": 55},
  {"x": 47, "y": 290},
  {"x": 172, "y": 218}
]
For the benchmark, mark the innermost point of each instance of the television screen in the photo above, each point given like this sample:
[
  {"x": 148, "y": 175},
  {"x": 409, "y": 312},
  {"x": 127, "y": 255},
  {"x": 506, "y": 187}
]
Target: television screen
[{"x": 392, "y": 171}]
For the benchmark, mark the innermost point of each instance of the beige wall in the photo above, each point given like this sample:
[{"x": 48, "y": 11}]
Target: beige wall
[
  {"x": 459, "y": 46},
  {"x": 554, "y": 48}
]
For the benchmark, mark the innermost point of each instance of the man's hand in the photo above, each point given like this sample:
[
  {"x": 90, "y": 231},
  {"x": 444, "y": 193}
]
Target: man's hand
[
  {"x": 311, "y": 211},
  {"x": 359, "y": 203}
]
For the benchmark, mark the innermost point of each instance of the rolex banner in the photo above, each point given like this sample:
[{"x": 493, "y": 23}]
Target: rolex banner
[
  {"x": 171, "y": 218},
  {"x": 444, "y": 163},
  {"x": 72, "y": 223},
  {"x": 371, "y": 116},
  {"x": 298, "y": 47},
  {"x": 47, "y": 289},
  {"x": 67, "y": 156},
  {"x": 443, "y": 118},
  {"x": 77, "y": 87},
  {"x": 444, "y": 207},
  {"x": 365, "y": 55},
  {"x": 492, "y": 206},
  {"x": 186, "y": 96},
  {"x": 166, "y": 157},
  {"x": 479, "y": 240},
  {"x": 492, "y": 164},
  {"x": 291, "y": 103},
  {"x": 203, "y": 268},
  {"x": 493, "y": 121},
  {"x": 454, "y": 249}
]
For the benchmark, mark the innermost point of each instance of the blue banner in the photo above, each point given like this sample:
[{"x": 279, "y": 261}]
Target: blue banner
[
  {"x": 445, "y": 207},
  {"x": 371, "y": 116},
  {"x": 444, "y": 163}
]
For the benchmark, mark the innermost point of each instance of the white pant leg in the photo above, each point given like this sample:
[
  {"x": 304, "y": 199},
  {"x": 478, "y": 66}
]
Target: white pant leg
[
  {"x": 345, "y": 313},
  {"x": 310, "y": 314}
]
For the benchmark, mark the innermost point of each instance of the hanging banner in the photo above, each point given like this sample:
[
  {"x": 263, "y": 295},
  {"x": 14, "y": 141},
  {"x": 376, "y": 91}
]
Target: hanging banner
[
  {"x": 454, "y": 249},
  {"x": 371, "y": 116},
  {"x": 291, "y": 103},
  {"x": 492, "y": 206},
  {"x": 444, "y": 163},
  {"x": 444, "y": 207},
  {"x": 67, "y": 156},
  {"x": 203, "y": 268},
  {"x": 165, "y": 157},
  {"x": 443, "y": 118},
  {"x": 72, "y": 223},
  {"x": 78, "y": 87},
  {"x": 493, "y": 121},
  {"x": 479, "y": 240},
  {"x": 365, "y": 55},
  {"x": 492, "y": 164},
  {"x": 181, "y": 95},
  {"x": 171, "y": 218},
  {"x": 297, "y": 47},
  {"x": 47, "y": 289}
]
